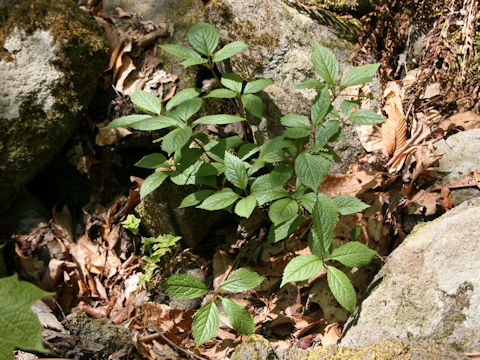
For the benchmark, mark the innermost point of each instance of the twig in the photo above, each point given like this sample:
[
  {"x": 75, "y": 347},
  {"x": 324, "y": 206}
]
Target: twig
[{"x": 156, "y": 336}]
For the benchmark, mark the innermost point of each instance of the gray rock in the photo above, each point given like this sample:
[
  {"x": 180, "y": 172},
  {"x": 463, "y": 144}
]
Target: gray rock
[
  {"x": 355, "y": 7},
  {"x": 259, "y": 348},
  {"x": 160, "y": 214},
  {"x": 461, "y": 153},
  {"x": 281, "y": 36},
  {"x": 50, "y": 62},
  {"x": 429, "y": 288}
]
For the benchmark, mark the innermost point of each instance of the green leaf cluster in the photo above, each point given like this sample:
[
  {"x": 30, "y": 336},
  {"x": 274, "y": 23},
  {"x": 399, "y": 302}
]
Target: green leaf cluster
[
  {"x": 206, "y": 319},
  {"x": 280, "y": 178}
]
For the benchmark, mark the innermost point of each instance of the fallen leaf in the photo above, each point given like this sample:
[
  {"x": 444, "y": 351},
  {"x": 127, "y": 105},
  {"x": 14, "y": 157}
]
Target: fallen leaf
[{"x": 394, "y": 130}]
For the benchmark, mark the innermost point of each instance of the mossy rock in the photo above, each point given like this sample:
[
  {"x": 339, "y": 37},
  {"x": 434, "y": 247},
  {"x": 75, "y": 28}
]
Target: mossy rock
[
  {"x": 386, "y": 349},
  {"x": 97, "y": 339},
  {"x": 355, "y": 7},
  {"x": 51, "y": 56},
  {"x": 160, "y": 214}
]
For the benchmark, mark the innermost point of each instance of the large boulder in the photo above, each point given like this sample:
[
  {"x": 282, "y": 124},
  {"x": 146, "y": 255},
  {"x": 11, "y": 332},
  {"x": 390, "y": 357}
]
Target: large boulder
[
  {"x": 52, "y": 55},
  {"x": 429, "y": 288},
  {"x": 281, "y": 36}
]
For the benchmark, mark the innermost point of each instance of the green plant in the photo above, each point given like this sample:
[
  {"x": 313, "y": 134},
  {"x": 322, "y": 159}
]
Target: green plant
[
  {"x": 153, "y": 249},
  {"x": 206, "y": 319},
  {"x": 20, "y": 326},
  {"x": 280, "y": 177}
]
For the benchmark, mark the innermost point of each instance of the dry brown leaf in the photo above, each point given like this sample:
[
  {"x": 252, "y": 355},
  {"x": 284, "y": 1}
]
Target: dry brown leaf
[
  {"x": 332, "y": 334},
  {"x": 472, "y": 179},
  {"x": 462, "y": 121},
  {"x": 423, "y": 203},
  {"x": 420, "y": 160},
  {"x": 394, "y": 130}
]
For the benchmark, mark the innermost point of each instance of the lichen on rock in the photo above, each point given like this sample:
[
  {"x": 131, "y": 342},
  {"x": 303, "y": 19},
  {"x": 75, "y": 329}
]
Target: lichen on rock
[{"x": 51, "y": 57}]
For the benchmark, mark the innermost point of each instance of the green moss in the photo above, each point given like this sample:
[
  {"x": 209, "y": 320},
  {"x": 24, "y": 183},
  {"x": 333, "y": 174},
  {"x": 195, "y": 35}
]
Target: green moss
[{"x": 356, "y": 7}]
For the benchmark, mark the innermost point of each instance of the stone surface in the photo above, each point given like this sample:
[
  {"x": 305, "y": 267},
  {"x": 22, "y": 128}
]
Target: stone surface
[
  {"x": 281, "y": 36},
  {"x": 387, "y": 349},
  {"x": 160, "y": 214},
  {"x": 52, "y": 55},
  {"x": 356, "y": 7},
  {"x": 429, "y": 288},
  {"x": 461, "y": 153}
]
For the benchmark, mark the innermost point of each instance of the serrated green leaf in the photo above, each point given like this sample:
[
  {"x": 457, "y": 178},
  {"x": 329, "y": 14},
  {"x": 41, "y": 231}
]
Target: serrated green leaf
[
  {"x": 184, "y": 286},
  {"x": 311, "y": 169},
  {"x": 282, "y": 210},
  {"x": 296, "y": 133},
  {"x": 327, "y": 132},
  {"x": 221, "y": 94},
  {"x": 146, "y": 101},
  {"x": 127, "y": 121},
  {"x": 238, "y": 317},
  {"x": 219, "y": 119},
  {"x": 257, "y": 85},
  {"x": 325, "y": 63},
  {"x": 324, "y": 216},
  {"x": 270, "y": 194},
  {"x": 229, "y": 50},
  {"x": 365, "y": 117},
  {"x": 349, "y": 204},
  {"x": 220, "y": 200},
  {"x": 195, "y": 198},
  {"x": 176, "y": 139},
  {"x": 204, "y": 38},
  {"x": 280, "y": 232},
  {"x": 352, "y": 254},
  {"x": 267, "y": 188},
  {"x": 205, "y": 324},
  {"x": 180, "y": 51},
  {"x": 253, "y": 104},
  {"x": 193, "y": 61},
  {"x": 295, "y": 121},
  {"x": 241, "y": 280},
  {"x": 20, "y": 326},
  {"x": 359, "y": 75},
  {"x": 233, "y": 82},
  {"x": 341, "y": 288},
  {"x": 247, "y": 150},
  {"x": 152, "y": 182},
  {"x": 272, "y": 150},
  {"x": 301, "y": 268},
  {"x": 235, "y": 171},
  {"x": 315, "y": 244},
  {"x": 187, "y": 109},
  {"x": 348, "y": 105},
  {"x": 245, "y": 206},
  {"x": 321, "y": 106},
  {"x": 311, "y": 83},
  {"x": 308, "y": 201},
  {"x": 152, "y": 161},
  {"x": 182, "y": 96},
  {"x": 157, "y": 123}
]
